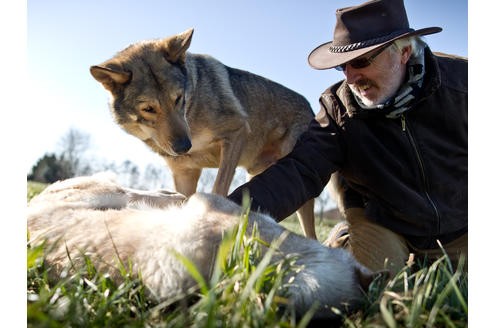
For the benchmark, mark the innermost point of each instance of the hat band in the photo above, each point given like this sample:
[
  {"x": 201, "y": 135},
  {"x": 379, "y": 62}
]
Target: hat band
[{"x": 366, "y": 43}]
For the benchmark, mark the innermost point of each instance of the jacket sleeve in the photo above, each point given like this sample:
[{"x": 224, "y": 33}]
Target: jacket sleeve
[{"x": 302, "y": 175}]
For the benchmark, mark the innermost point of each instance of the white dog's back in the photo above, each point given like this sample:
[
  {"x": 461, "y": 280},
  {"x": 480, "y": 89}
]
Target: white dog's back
[{"x": 114, "y": 225}]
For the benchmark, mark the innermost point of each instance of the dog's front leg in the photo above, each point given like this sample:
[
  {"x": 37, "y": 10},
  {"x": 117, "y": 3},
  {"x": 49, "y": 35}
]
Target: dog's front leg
[
  {"x": 186, "y": 180},
  {"x": 306, "y": 216},
  {"x": 230, "y": 153},
  {"x": 185, "y": 177}
]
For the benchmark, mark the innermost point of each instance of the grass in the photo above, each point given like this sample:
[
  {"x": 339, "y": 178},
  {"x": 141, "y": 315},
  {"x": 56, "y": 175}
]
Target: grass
[
  {"x": 431, "y": 296},
  {"x": 244, "y": 291},
  {"x": 34, "y": 188}
]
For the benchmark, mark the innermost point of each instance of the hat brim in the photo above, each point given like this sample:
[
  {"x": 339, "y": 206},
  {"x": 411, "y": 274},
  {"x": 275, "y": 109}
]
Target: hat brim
[{"x": 322, "y": 58}]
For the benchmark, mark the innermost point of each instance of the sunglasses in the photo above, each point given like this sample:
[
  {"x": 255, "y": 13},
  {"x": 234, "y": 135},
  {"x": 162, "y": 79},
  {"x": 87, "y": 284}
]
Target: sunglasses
[{"x": 360, "y": 62}]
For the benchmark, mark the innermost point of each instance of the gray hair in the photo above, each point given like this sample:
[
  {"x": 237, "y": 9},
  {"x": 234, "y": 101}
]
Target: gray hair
[{"x": 416, "y": 42}]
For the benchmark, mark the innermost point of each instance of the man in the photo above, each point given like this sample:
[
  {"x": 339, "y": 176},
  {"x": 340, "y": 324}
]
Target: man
[{"x": 395, "y": 129}]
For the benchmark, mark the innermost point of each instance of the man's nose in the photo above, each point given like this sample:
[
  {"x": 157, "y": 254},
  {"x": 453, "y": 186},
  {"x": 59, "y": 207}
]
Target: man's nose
[{"x": 352, "y": 74}]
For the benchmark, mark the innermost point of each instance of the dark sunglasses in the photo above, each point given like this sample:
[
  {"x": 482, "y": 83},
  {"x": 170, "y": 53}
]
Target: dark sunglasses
[{"x": 360, "y": 62}]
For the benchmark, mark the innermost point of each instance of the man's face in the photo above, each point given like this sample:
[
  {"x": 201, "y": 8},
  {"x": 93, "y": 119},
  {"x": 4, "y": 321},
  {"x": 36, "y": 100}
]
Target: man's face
[{"x": 376, "y": 83}]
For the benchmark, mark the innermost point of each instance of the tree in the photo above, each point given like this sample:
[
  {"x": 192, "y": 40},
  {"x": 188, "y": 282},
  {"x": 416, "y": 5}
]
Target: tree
[
  {"x": 73, "y": 145},
  {"x": 129, "y": 174},
  {"x": 49, "y": 169},
  {"x": 67, "y": 164}
]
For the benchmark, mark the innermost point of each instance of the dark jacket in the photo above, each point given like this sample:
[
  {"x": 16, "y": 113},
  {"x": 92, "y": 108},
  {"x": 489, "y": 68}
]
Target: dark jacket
[{"x": 411, "y": 171}]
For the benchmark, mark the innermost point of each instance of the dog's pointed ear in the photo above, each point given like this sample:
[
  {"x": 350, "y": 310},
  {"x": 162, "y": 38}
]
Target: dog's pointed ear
[
  {"x": 109, "y": 77},
  {"x": 175, "y": 47}
]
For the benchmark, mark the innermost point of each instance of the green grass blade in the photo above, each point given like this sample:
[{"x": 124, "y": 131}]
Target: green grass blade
[{"x": 192, "y": 269}]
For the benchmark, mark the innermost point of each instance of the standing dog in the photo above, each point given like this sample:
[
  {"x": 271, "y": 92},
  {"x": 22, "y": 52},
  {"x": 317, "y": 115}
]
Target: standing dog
[
  {"x": 95, "y": 217},
  {"x": 196, "y": 112}
]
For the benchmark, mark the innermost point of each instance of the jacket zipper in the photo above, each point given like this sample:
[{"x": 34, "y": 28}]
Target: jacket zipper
[{"x": 421, "y": 168}]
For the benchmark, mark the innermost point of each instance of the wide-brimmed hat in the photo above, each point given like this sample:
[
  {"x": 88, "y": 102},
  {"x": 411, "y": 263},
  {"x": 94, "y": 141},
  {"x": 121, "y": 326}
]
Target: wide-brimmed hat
[{"x": 364, "y": 28}]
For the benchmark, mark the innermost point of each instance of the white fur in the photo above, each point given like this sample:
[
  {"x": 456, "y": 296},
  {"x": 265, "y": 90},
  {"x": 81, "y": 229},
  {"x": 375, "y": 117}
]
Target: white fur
[{"x": 96, "y": 216}]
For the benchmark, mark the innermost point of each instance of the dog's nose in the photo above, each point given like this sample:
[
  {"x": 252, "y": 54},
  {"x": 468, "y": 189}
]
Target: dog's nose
[{"x": 182, "y": 146}]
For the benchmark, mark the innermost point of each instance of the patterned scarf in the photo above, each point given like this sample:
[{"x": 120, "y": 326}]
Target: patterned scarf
[{"x": 404, "y": 98}]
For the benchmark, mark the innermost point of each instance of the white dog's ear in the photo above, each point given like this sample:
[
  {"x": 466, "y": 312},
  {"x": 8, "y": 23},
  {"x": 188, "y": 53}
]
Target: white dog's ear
[
  {"x": 109, "y": 77},
  {"x": 366, "y": 277},
  {"x": 175, "y": 47}
]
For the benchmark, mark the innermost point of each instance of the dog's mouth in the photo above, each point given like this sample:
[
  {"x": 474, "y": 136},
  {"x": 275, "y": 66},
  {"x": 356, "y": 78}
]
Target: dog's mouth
[{"x": 177, "y": 147}]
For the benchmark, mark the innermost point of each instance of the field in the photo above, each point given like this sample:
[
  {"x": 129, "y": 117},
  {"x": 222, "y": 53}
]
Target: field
[{"x": 244, "y": 292}]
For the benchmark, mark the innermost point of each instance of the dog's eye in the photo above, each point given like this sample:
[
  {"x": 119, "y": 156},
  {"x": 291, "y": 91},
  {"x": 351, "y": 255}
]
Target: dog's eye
[
  {"x": 178, "y": 99},
  {"x": 149, "y": 109}
]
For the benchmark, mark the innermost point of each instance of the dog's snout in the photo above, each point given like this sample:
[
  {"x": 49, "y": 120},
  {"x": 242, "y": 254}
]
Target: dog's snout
[{"x": 182, "y": 146}]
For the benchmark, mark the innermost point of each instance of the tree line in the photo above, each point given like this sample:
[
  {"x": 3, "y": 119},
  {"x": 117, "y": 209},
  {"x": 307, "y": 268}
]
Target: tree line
[{"x": 72, "y": 160}]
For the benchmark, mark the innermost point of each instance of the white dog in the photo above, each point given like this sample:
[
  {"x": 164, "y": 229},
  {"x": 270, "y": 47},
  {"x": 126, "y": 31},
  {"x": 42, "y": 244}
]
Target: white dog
[{"x": 109, "y": 223}]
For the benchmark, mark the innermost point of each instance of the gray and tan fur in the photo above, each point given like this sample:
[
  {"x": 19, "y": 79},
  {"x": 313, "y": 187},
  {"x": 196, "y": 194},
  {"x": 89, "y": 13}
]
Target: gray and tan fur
[
  {"x": 197, "y": 112},
  {"x": 97, "y": 217}
]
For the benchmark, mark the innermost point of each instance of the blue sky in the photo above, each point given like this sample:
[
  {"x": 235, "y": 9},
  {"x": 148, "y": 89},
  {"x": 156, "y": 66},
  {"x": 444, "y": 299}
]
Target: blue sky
[{"x": 269, "y": 38}]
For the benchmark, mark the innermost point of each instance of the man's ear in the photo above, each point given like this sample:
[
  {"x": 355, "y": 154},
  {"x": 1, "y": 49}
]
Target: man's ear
[
  {"x": 175, "y": 47},
  {"x": 109, "y": 77},
  {"x": 405, "y": 54}
]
